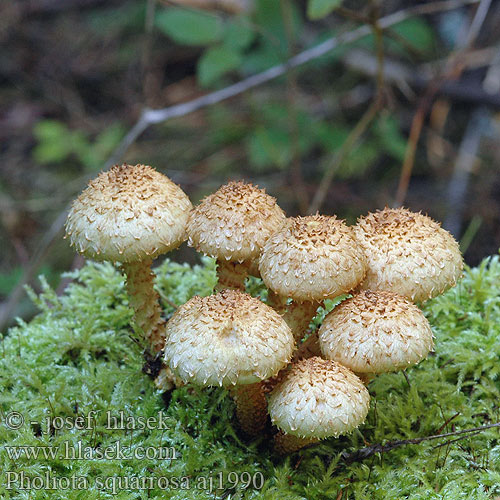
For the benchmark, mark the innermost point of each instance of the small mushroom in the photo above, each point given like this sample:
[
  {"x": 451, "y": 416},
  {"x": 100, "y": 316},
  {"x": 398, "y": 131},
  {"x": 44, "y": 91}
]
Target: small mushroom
[
  {"x": 131, "y": 214},
  {"x": 316, "y": 399},
  {"x": 408, "y": 253},
  {"x": 231, "y": 225},
  {"x": 375, "y": 332},
  {"x": 311, "y": 259},
  {"x": 233, "y": 340}
]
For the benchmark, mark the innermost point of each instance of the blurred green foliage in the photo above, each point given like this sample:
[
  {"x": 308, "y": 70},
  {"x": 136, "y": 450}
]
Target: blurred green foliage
[{"x": 56, "y": 143}]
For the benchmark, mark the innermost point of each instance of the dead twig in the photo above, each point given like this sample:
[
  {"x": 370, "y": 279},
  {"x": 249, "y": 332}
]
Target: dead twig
[
  {"x": 361, "y": 126},
  {"x": 368, "y": 451},
  {"x": 452, "y": 70}
]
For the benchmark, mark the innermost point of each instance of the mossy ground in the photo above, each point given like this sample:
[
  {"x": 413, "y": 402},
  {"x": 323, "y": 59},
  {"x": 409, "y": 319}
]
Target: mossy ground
[{"x": 78, "y": 355}]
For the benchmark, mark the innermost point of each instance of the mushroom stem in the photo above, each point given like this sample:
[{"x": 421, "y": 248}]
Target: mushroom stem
[
  {"x": 298, "y": 315},
  {"x": 251, "y": 407},
  {"x": 277, "y": 302},
  {"x": 308, "y": 348},
  {"x": 286, "y": 443},
  {"x": 231, "y": 275},
  {"x": 146, "y": 303},
  {"x": 366, "y": 378}
]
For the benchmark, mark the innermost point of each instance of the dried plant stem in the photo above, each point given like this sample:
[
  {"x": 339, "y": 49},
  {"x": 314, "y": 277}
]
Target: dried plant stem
[
  {"x": 451, "y": 70},
  {"x": 368, "y": 451},
  {"x": 146, "y": 303},
  {"x": 251, "y": 407},
  {"x": 340, "y": 156}
]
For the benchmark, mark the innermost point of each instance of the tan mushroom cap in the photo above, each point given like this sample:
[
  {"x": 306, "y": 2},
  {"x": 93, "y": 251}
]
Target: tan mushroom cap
[
  {"x": 226, "y": 339},
  {"x": 128, "y": 213},
  {"x": 234, "y": 222},
  {"x": 312, "y": 258},
  {"x": 408, "y": 253},
  {"x": 376, "y": 332},
  {"x": 319, "y": 398}
]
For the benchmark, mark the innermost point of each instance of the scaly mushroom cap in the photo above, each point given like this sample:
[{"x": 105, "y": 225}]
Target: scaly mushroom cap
[
  {"x": 226, "y": 339},
  {"x": 408, "y": 253},
  {"x": 312, "y": 258},
  {"x": 375, "y": 332},
  {"x": 128, "y": 213},
  {"x": 319, "y": 398},
  {"x": 234, "y": 222}
]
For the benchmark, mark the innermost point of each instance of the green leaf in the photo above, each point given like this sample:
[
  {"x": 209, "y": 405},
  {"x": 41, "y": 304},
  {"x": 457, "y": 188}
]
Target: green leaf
[
  {"x": 269, "y": 147},
  {"x": 316, "y": 9},
  {"x": 238, "y": 34},
  {"x": 189, "y": 27},
  {"x": 54, "y": 141},
  {"x": 417, "y": 32},
  {"x": 216, "y": 61},
  {"x": 390, "y": 137},
  {"x": 269, "y": 17}
]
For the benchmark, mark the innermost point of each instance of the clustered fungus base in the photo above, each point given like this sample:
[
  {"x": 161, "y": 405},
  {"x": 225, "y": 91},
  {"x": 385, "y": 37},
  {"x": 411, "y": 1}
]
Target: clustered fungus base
[{"x": 131, "y": 214}]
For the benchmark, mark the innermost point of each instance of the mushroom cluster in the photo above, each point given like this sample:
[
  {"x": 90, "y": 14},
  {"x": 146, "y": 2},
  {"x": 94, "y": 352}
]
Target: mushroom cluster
[{"x": 313, "y": 385}]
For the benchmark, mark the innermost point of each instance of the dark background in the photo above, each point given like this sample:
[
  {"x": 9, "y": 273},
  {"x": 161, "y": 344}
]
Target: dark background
[{"x": 75, "y": 75}]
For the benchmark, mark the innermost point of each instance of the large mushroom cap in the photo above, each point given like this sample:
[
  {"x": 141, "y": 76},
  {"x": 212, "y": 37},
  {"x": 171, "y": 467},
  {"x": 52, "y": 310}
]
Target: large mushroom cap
[
  {"x": 226, "y": 339},
  {"x": 128, "y": 213},
  {"x": 408, "y": 253},
  {"x": 317, "y": 399},
  {"x": 234, "y": 222},
  {"x": 375, "y": 332},
  {"x": 312, "y": 258}
]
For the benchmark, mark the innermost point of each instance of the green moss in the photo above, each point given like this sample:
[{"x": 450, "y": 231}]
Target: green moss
[{"x": 79, "y": 355}]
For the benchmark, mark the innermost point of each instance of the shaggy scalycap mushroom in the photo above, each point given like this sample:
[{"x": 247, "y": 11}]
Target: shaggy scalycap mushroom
[
  {"x": 226, "y": 339},
  {"x": 312, "y": 258},
  {"x": 408, "y": 253},
  {"x": 128, "y": 213},
  {"x": 375, "y": 332},
  {"x": 131, "y": 214},
  {"x": 234, "y": 222},
  {"x": 317, "y": 399}
]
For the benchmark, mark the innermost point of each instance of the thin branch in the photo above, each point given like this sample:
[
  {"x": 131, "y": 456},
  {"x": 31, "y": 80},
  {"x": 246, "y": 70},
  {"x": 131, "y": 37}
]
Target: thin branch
[
  {"x": 297, "y": 180},
  {"x": 361, "y": 126},
  {"x": 340, "y": 156},
  {"x": 368, "y": 451},
  {"x": 451, "y": 69},
  {"x": 153, "y": 116}
]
